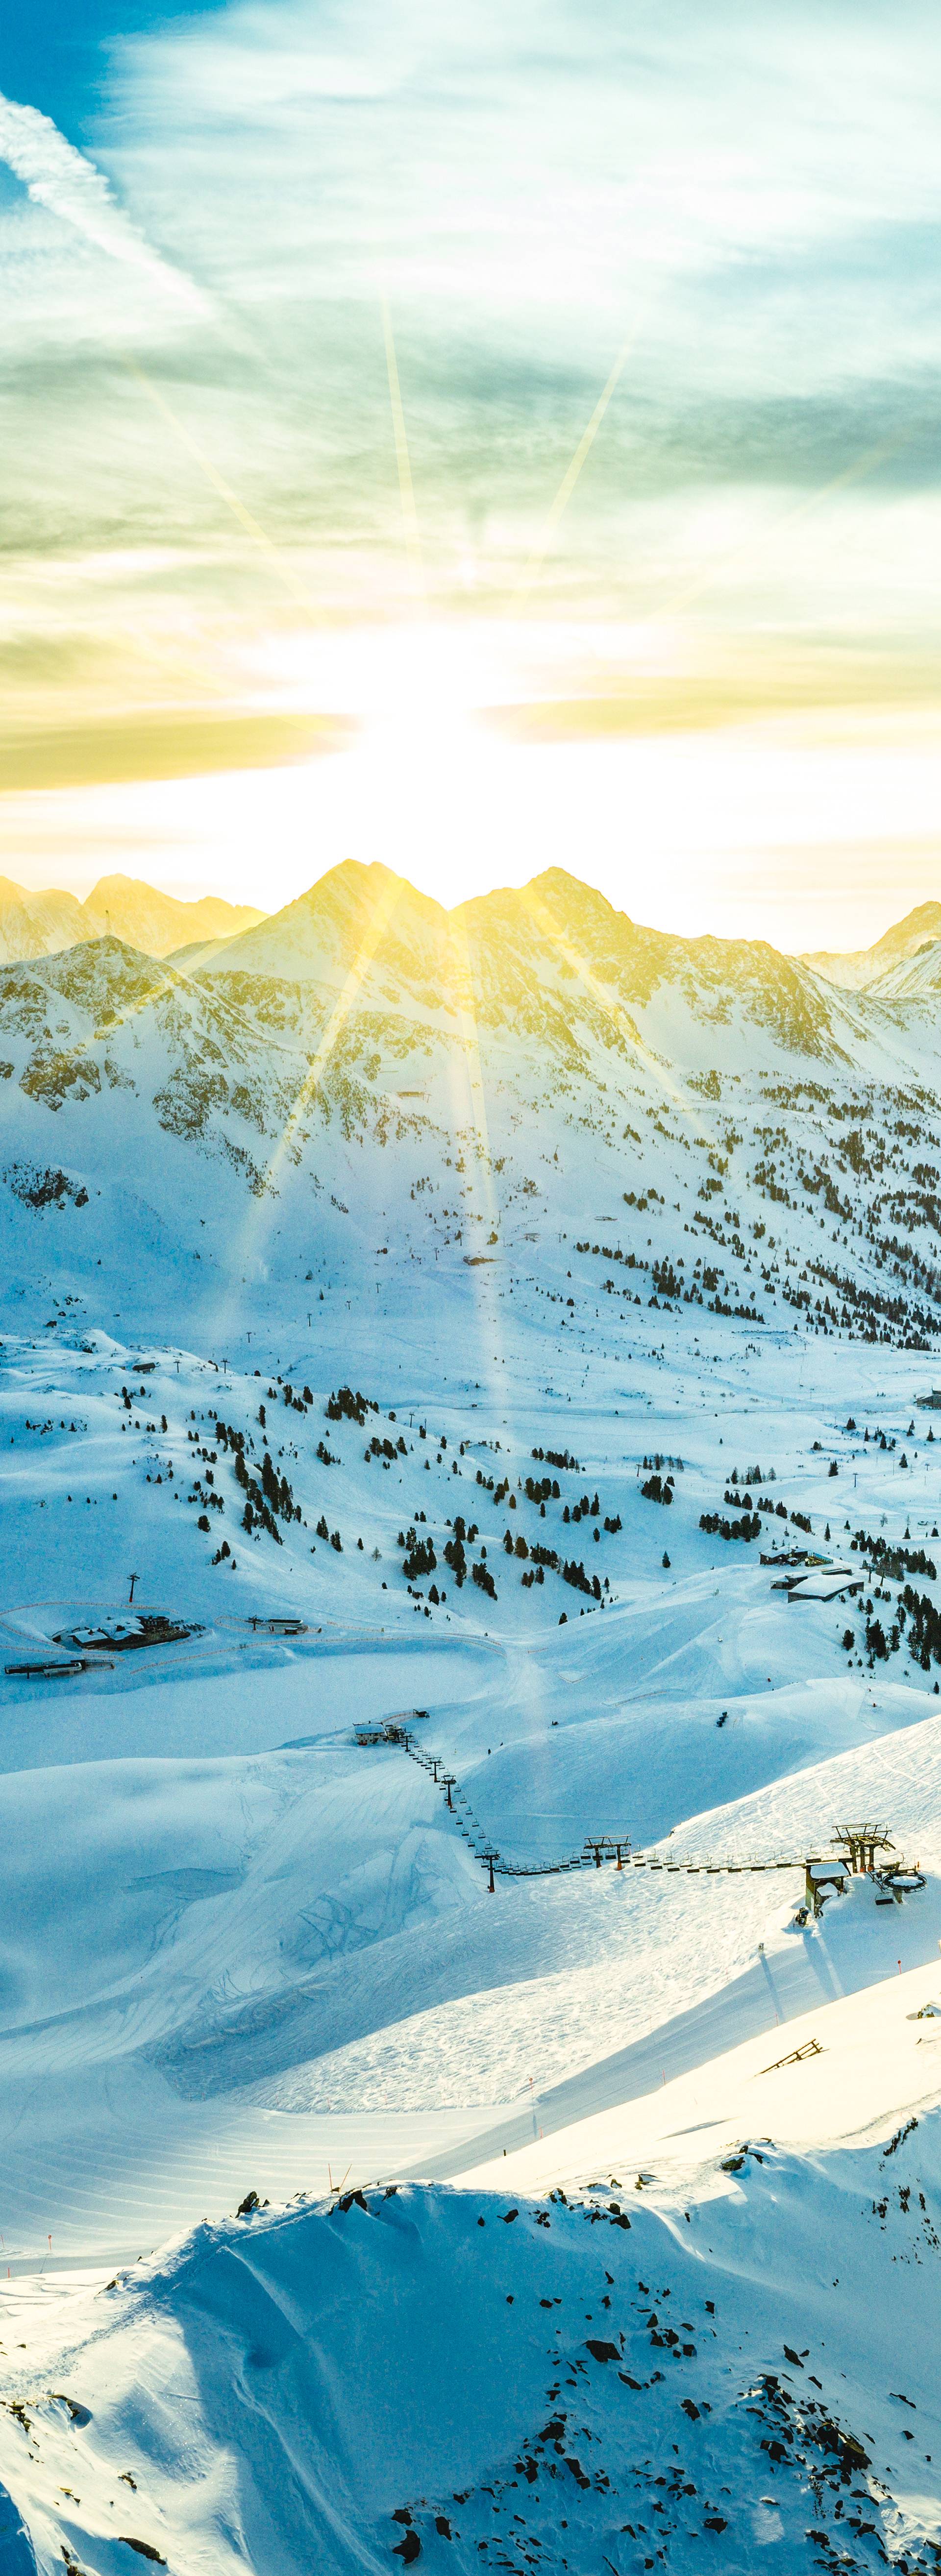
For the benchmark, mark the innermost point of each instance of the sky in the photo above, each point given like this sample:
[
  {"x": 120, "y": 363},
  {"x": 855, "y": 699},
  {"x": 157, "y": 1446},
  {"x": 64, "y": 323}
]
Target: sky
[{"x": 478, "y": 441}]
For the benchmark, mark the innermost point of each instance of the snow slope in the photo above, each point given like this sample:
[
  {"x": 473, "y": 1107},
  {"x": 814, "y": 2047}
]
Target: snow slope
[
  {"x": 704, "y": 1117},
  {"x": 238, "y": 1946},
  {"x": 485, "y": 1296},
  {"x": 853, "y": 2066},
  {"x": 468, "y": 2378},
  {"x": 858, "y": 967}
]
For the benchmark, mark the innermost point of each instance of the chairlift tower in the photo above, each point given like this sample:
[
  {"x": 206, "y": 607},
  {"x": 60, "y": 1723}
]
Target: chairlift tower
[
  {"x": 859, "y": 1845},
  {"x": 607, "y": 1846}
]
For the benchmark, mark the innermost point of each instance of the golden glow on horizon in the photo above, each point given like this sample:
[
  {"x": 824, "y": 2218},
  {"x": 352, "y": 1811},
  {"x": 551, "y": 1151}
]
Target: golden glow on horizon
[
  {"x": 623, "y": 333},
  {"x": 809, "y": 835}
]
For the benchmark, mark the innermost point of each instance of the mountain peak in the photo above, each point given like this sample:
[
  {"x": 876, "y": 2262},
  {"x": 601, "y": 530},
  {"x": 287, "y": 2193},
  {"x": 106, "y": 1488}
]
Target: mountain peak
[
  {"x": 858, "y": 967},
  {"x": 558, "y": 887},
  {"x": 156, "y": 922}
]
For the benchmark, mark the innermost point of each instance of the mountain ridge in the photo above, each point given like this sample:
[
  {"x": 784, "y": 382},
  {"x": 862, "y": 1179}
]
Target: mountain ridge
[
  {"x": 371, "y": 900},
  {"x": 39, "y": 924},
  {"x": 489, "y": 1074},
  {"x": 858, "y": 967},
  {"x": 519, "y": 944}
]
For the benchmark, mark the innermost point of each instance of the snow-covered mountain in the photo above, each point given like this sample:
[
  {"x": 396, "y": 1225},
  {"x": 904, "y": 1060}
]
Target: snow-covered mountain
[
  {"x": 157, "y": 922},
  {"x": 400, "y": 2375},
  {"x": 436, "y": 1323},
  {"x": 532, "y": 1061},
  {"x": 915, "y": 979},
  {"x": 857, "y": 968},
  {"x": 547, "y": 961},
  {"x": 34, "y": 925}
]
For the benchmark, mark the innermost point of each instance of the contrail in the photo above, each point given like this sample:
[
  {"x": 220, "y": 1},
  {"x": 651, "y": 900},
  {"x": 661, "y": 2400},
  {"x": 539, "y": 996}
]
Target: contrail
[{"x": 61, "y": 178}]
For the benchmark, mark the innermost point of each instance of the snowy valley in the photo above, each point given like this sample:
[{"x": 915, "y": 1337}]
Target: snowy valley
[{"x": 471, "y": 1544}]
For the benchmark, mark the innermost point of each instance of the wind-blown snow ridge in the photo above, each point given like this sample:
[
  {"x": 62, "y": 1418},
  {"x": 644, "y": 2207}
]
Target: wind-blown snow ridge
[{"x": 461, "y": 2376}]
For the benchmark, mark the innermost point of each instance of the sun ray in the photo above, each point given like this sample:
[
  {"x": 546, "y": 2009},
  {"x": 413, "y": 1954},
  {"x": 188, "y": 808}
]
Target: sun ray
[
  {"x": 261, "y": 1213},
  {"x": 748, "y": 547},
  {"x": 244, "y": 518},
  {"x": 612, "y": 1009},
  {"x": 467, "y": 1048},
  {"x": 572, "y": 472},
  {"x": 463, "y": 992},
  {"x": 406, "y": 486},
  {"x": 468, "y": 1070},
  {"x": 380, "y": 915},
  {"x": 169, "y": 658}
]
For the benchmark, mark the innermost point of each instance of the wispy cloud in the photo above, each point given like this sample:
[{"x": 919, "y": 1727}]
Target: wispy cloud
[
  {"x": 63, "y": 180},
  {"x": 753, "y": 502}
]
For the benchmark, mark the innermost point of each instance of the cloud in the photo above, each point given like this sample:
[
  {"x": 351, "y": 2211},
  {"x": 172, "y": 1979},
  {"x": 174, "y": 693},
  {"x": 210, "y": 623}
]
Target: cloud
[
  {"x": 68, "y": 184},
  {"x": 523, "y": 186}
]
